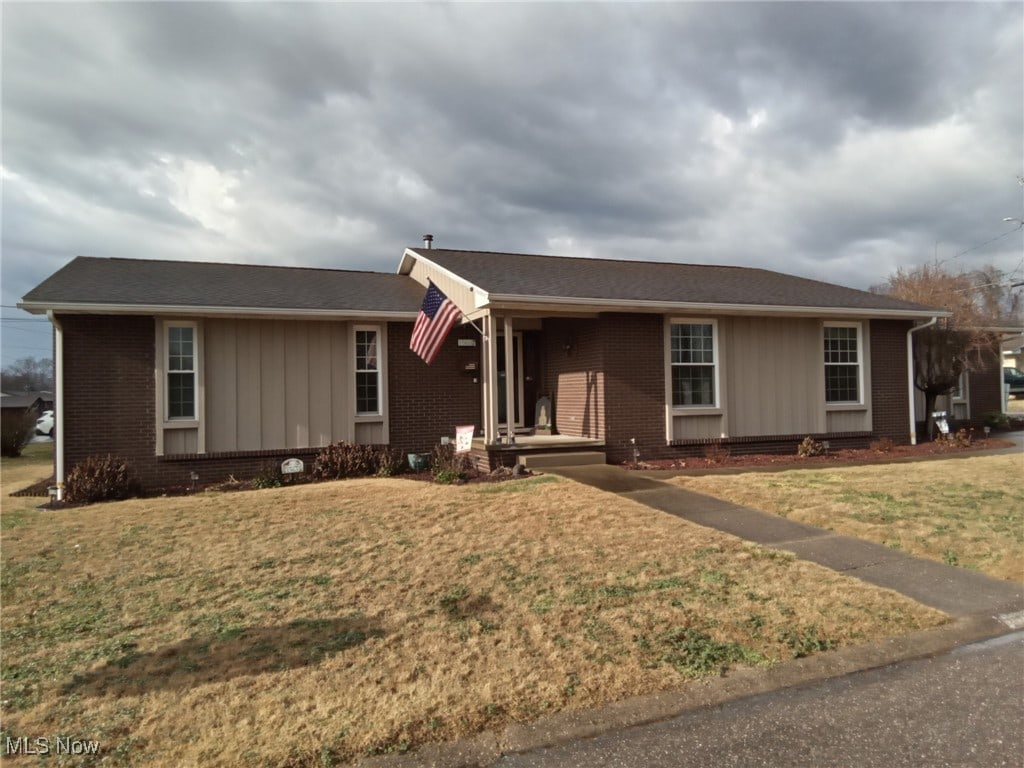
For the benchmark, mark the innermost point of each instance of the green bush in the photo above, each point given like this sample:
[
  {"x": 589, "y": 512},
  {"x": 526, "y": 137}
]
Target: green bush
[
  {"x": 99, "y": 479},
  {"x": 342, "y": 460},
  {"x": 16, "y": 429},
  {"x": 996, "y": 420},
  {"x": 447, "y": 466}
]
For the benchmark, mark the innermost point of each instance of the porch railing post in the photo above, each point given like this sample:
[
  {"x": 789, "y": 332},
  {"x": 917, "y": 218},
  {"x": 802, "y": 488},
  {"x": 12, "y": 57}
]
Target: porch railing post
[
  {"x": 510, "y": 381},
  {"x": 490, "y": 380}
]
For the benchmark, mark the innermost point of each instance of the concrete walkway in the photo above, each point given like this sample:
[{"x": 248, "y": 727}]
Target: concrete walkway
[{"x": 956, "y": 591}]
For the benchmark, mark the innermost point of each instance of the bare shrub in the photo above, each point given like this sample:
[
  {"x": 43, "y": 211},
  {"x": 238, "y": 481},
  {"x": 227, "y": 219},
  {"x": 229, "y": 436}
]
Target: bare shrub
[
  {"x": 882, "y": 445},
  {"x": 810, "y": 447},
  {"x": 106, "y": 478},
  {"x": 716, "y": 453},
  {"x": 16, "y": 428},
  {"x": 342, "y": 460}
]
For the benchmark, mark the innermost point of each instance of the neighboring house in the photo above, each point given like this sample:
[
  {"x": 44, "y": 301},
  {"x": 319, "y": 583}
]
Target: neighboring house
[
  {"x": 980, "y": 392},
  {"x": 221, "y": 369},
  {"x": 28, "y": 403}
]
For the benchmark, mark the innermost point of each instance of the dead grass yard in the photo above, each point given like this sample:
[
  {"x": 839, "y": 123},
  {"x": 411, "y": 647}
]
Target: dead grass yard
[
  {"x": 965, "y": 511},
  {"x": 311, "y": 625}
]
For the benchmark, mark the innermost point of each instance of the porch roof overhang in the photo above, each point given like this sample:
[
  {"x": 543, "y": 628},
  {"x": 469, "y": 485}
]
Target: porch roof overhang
[{"x": 547, "y": 305}]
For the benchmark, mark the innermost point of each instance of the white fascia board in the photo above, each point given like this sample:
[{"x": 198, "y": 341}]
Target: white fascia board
[
  {"x": 37, "y": 308},
  {"x": 481, "y": 297},
  {"x": 510, "y": 301}
]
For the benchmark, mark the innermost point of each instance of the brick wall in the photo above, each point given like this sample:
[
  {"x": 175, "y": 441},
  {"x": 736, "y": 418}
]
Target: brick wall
[
  {"x": 427, "y": 402},
  {"x": 574, "y": 377},
  {"x": 889, "y": 397},
  {"x": 109, "y": 392},
  {"x": 634, "y": 357}
]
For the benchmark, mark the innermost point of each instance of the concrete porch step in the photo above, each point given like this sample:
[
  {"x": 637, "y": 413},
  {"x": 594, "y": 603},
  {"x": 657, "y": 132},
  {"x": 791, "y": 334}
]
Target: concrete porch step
[{"x": 566, "y": 459}]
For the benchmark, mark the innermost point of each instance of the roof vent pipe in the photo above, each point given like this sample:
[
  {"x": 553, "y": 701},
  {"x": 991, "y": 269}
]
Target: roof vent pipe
[{"x": 427, "y": 240}]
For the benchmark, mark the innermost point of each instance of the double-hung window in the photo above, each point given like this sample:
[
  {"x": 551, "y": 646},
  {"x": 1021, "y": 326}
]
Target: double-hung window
[
  {"x": 367, "y": 373},
  {"x": 842, "y": 363},
  {"x": 181, "y": 372},
  {"x": 694, "y": 362}
]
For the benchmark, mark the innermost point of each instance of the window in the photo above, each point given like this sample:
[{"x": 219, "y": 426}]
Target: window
[
  {"x": 694, "y": 364},
  {"x": 959, "y": 392},
  {"x": 367, "y": 374},
  {"x": 842, "y": 364},
  {"x": 181, "y": 372}
]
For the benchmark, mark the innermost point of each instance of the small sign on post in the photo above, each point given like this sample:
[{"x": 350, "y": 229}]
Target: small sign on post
[
  {"x": 940, "y": 421},
  {"x": 464, "y": 438}
]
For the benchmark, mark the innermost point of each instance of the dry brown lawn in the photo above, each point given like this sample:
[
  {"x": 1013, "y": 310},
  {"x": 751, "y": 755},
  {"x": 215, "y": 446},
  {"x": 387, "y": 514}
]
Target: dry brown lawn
[
  {"x": 964, "y": 511},
  {"x": 311, "y": 625}
]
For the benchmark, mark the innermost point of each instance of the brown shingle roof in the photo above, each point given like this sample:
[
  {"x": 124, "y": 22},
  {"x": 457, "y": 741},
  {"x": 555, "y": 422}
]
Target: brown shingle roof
[
  {"x": 145, "y": 283},
  {"x": 529, "y": 275}
]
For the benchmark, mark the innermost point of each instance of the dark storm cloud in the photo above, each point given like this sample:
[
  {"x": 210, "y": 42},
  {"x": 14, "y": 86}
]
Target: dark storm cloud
[{"x": 838, "y": 141}]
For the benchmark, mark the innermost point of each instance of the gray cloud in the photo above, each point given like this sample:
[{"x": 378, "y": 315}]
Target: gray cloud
[{"x": 837, "y": 141}]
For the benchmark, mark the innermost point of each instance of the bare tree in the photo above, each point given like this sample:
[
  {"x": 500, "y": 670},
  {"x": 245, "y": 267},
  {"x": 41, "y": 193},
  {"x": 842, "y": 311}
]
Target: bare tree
[
  {"x": 29, "y": 374},
  {"x": 942, "y": 352}
]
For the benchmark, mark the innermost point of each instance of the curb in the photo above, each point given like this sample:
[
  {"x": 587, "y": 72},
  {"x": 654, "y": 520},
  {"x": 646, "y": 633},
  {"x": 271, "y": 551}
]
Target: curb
[{"x": 553, "y": 730}]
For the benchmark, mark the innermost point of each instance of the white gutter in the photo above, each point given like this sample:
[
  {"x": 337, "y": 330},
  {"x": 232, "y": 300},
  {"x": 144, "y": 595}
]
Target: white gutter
[
  {"x": 910, "y": 377},
  {"x": 58, "y": 401},
  {"x": 38, "y": 308}
]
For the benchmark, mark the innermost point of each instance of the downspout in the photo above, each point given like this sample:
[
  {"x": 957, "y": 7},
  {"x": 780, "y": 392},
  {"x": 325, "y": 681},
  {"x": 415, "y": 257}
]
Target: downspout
[
  {"x": 58, "y": 401},
  {"x": 910, "y": 377}
]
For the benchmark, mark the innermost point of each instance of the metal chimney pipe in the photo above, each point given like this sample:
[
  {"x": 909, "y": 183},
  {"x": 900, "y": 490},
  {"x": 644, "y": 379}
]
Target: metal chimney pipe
[{"x": 427, "y": 240}]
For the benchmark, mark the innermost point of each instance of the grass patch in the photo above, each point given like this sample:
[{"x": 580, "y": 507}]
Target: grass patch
[
  {"x": 967, "y": 511},
  {"x": 319, "y": 623}
]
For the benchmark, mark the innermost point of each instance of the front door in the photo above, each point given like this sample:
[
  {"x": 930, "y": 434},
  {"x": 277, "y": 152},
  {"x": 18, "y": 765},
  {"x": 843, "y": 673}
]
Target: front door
[{"x": 517, "y": 380}]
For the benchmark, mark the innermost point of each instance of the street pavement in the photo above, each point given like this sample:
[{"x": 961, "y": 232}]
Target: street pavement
[{"x": 961, "y": 708}]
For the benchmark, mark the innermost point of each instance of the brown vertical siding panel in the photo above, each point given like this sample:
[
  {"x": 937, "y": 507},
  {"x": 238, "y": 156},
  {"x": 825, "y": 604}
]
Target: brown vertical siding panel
[
  {"x": 320, "y": 414},
  {"x": 272, "y": 389},
  {"x": 249, "y": 392},
  {"x": 296, "y": 384}
]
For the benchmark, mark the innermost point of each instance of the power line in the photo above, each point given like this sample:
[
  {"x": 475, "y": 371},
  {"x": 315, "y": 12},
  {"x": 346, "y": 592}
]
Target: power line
[{"x": 980, "y": 245}]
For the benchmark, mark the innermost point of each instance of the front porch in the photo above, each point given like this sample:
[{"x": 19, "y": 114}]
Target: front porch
[{"x": 489, "y": 457}]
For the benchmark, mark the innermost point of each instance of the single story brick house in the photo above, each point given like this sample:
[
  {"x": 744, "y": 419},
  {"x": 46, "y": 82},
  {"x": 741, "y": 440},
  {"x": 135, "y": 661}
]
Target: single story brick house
[{"x": 218, "y": 369}]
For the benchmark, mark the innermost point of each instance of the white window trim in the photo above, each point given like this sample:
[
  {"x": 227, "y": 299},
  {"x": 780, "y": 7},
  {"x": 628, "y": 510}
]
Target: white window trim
[
  {"x": 163, "y": 421},
  {"x": 963, "y": 385},
  {"x": 378, "y": 415},
  {"x": 694, "y": 410},
  {"x": 861, "y": 401}
]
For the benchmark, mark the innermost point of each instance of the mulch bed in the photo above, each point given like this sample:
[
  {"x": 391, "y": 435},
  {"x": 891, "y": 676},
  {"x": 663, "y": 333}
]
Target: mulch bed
[{"x": 898, "y": 453}]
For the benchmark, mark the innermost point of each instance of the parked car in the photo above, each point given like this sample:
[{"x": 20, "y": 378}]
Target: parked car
[
  {"x": 1014, "y": 379},
  {"x": 44, "y": 424}
]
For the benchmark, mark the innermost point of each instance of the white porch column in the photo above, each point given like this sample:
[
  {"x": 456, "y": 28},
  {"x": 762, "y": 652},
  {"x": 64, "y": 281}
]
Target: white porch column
[
  {"x": 490, "y": 379},
  {"x": 510, "y": 381}
]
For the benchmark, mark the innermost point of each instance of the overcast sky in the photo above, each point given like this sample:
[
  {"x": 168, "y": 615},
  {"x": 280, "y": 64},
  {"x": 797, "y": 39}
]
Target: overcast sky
[{"x": 832, "y": 141}]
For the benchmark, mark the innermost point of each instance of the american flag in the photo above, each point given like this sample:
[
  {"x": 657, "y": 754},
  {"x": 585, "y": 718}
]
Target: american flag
[{"x": 437, "y": 316}]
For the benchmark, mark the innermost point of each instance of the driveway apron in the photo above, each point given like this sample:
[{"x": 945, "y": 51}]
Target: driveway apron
[{"x": 956, "y": 591}]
